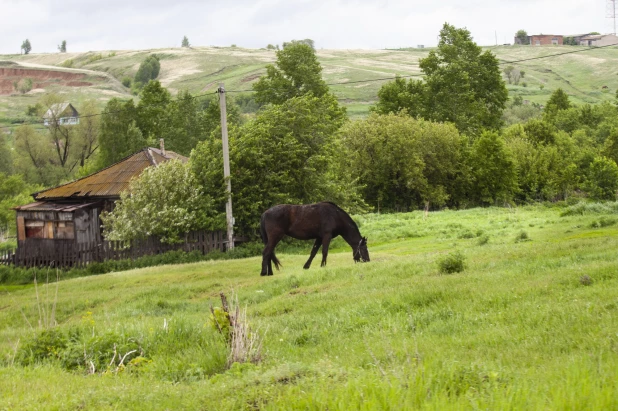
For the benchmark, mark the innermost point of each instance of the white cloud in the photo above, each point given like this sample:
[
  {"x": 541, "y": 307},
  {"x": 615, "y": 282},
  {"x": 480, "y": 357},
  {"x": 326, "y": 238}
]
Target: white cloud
[{"x": 121, "y": 24}]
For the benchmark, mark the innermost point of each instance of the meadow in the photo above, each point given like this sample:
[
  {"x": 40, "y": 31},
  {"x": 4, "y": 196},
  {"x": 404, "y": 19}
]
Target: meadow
[{"x": 530, "y": 323}]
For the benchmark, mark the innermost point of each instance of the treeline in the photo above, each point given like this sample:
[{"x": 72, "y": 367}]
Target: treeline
[{"x": 427, "y": 144}]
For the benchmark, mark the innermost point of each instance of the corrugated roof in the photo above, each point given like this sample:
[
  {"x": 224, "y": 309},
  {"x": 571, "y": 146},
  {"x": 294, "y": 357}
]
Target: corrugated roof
[
  {"x": 49, "y": 206},
  {"x": 110, "y": 181}
]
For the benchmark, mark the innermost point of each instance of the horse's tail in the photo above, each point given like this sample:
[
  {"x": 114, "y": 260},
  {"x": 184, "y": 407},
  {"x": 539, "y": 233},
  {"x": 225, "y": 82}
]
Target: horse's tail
[{"x": 264, "y": 236}]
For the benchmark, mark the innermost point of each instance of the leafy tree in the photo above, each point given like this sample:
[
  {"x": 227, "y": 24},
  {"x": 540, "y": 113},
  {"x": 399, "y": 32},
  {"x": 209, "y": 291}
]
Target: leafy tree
[
  {"x": 295, "y": 73},
  {"x": 166, "y": 201},
  {"x": 34, "y": 159},
  {"x": 185, "y": 42},
  {"x": 401, "y": 162},
  {"x": 559, "y": 100},
  {"x": 462, "y": 85},
  {"x": 522, "y": 36},
  {"x": 6, "y": 156},
  {"x": 493, "y": 170},
  {"x": 152, "y": 110},
  {"x": 148, "y": 70},
  {"x": 119, "y": 135},
  {"x": 602, "y": 180},
  {"x": 24, "y": 85},
  {"x": 270, "y": 47},
  {"x": 87, "y": 131},
  {"x": 26, "y": 47},
  {"x": 63, "y": 46},
  {"x": 14, "y": 191},
  {"x": 284, "y": 155},
  {"x": 540, "y": 132},
  {"x": 308, "y": 42}
]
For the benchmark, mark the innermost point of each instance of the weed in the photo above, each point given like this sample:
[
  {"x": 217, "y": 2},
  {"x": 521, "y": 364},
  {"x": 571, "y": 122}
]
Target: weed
[
  {"x": 585, "y": 280},
  {"x": 522, "y": 236},
  {"x": 484, "y": 239},
  {"x": 452, "y": 263}
]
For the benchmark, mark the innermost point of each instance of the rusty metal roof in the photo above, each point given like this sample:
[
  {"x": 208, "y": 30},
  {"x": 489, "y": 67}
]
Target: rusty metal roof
[
  {"x": 49, "y": 206},
  {"x": 111, "y": 181}
]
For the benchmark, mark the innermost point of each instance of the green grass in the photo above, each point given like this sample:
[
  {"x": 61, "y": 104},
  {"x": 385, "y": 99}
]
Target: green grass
[
  {"x": 517, "y": 329},
  {"x": 200, "y": 69}
]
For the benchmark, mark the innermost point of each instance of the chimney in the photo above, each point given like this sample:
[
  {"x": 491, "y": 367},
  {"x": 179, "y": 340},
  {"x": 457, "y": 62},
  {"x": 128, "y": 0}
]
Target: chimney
[{"x": 162, "y": 147}]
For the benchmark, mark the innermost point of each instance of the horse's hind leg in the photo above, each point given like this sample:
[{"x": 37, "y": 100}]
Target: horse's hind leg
[
  {"x": 314, "y": 251},
  {"x": 267, "y": 254},
  {"x": 325, "y": 244}
]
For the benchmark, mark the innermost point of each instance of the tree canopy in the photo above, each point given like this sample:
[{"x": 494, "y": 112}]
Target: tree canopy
[
  {"x": 463, "y": 85},
  {"x": 26, "y": 47},
  {"x": 295, "y": 73}
]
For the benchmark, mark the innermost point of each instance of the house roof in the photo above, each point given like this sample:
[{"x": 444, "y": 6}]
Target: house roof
[
  {"x": 50, "y": 206},
  {"x": 57, "y": 109},
  {"x": 111, "y": 181}
]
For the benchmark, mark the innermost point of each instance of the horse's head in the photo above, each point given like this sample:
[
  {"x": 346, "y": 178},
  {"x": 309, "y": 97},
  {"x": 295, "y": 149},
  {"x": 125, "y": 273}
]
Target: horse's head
[{"x": 361, "y": 253}]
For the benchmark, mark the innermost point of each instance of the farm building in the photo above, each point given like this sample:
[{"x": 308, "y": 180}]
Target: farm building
[
  {"x": 546, "y": 40},
  {"x": 598, "y": 40},
  {"x": 62, "y": 114},
  {"x": 70, "y": 213}
]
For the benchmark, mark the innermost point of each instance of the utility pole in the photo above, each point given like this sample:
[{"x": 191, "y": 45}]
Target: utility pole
[
  {"x": 610, "y": 13},
  {"x": 226, "y": 169}
]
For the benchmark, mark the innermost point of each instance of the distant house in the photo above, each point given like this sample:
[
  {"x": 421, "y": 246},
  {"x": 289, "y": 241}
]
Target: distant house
[
  {"x": 598, "y": 40},
  {"x": 62, "y": 114},
  {"x": 546, "y": 40},
  {"x": 70, "y": 212}
]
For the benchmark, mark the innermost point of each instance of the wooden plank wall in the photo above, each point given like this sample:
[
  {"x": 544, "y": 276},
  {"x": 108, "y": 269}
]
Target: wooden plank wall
[{"x": 55, "y": 253}]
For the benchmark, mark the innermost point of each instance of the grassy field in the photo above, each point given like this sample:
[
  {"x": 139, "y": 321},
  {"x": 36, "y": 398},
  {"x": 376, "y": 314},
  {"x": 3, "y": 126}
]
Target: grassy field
[
  {"x": 199, "y": 70},
  {"x": 529, "y": 324}
]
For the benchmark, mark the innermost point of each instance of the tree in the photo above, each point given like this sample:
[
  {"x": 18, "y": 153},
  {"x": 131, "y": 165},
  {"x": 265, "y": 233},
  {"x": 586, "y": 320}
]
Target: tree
[
  {"x": 493, "y": 170},
  {"x": 296, "y": 72},
  {"x": 24, "y": 85},
  {"x": 559, "y": 100},
  {"x": 522, "y": 37},
  {"x": 63, "y": 46},
  {"x": 26, "y": 47},
  {"x": 165, "y": 201},
  {"x": 119, "y": 135},
  {"x": 148, "y": 70},
  {"x": 602, "y": 182},
  {"x": 308, "y": 42},
  {"x": 185, "y": 42},
  {"x": 462, "y": 85},
  {"x": 284, "y": 155},
  {"x": 402, "y": 163}
]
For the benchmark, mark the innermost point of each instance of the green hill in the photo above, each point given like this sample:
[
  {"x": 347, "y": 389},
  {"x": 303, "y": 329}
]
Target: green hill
[{"x": 199, "y": 70}]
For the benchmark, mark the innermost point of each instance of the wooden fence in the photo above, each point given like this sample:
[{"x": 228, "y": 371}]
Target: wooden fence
[{"x": 66, "y": 253}]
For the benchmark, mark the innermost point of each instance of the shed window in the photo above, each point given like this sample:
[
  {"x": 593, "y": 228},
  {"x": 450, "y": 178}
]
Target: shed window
[{"x": 62, "y": 230}]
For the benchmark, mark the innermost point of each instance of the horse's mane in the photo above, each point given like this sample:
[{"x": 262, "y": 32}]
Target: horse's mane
[{"x": 344, "y": 212}]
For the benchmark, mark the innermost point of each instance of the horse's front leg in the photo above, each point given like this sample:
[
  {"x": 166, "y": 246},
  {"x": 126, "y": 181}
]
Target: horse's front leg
[
  {"x": 325, "y": 244},
  {"x": 314, "y": 251}
]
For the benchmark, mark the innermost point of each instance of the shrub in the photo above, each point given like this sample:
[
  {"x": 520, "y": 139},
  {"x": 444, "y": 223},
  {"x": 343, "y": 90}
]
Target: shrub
[
  {"x": 483, "y": 239},
  {"x": 127, "y": 81},
  {"x": 585, "y": 280},
  {"x": 582, "y": 208},
  {"x": 452, "y": 263},
  {"x": 522, "y": 236}
]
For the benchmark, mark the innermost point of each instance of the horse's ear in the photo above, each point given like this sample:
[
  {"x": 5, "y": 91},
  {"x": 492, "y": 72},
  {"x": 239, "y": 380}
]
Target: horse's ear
[{"x": 365, "y": 240}]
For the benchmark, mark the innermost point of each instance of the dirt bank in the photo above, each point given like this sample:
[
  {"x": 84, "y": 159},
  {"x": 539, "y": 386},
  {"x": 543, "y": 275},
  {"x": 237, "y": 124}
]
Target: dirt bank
[{"x": 40, "y": 78}]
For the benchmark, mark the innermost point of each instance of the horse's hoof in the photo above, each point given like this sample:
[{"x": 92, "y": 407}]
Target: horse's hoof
[
  {"x": 263, "y": 274},
  {"x": 270, "y": 274}
]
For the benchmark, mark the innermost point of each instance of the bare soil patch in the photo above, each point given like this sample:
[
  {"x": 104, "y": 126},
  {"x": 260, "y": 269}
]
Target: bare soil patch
[{"x": 40, "y": 78}]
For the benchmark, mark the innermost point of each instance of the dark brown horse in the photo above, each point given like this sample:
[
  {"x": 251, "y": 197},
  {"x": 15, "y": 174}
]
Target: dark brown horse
[{"x": 320, "y": 222}]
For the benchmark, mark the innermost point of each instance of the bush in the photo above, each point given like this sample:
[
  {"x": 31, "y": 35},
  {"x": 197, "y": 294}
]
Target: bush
[
  {"x": 452, "y": 263},
  {"x": 522, "y": 236},
  {"x": 127, "y": 81},
  {"x": 484, "y": 239},
  {"x": 20, "y": 275},
  {"x": 583, "y": 208}
]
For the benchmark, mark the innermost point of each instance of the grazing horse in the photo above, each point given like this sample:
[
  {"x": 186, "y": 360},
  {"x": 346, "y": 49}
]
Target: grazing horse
[{"x": 320, "y": 222}]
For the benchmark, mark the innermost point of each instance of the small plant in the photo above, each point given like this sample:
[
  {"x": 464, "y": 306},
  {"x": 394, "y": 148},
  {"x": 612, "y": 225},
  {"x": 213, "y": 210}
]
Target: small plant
[
  {"x": 542, "y": 86},
  {"x": 127, "y": 81},
  {"x": 466, "y": 234},
  {"x": 452, "y": 263},
  {"x": 244, "y": 345},
  {"x": 522, "y": 236},
  {"x": 524, "y": 84},
  {"x": 585, "y": 280},
  {"x": 67, "y": 63},
  {"x": 484, "y": 239},
  {"x": 112, "y": 54},
  {"x": 607, "y": 221}
]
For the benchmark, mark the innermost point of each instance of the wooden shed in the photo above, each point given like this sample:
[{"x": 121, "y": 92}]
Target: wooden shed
[{"x": 70, "y": 212}]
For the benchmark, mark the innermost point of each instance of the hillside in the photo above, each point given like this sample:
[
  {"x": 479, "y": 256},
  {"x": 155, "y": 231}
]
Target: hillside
[
  {"x": 529, "y": 324},
  {"x": 200, "y": 69}
]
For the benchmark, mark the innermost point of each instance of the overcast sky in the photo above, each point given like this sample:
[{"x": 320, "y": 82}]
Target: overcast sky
[{"x": 356, "y": 24}]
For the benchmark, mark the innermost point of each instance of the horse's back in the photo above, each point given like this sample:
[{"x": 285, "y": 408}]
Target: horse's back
[{"x": 305, "y": 221}]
